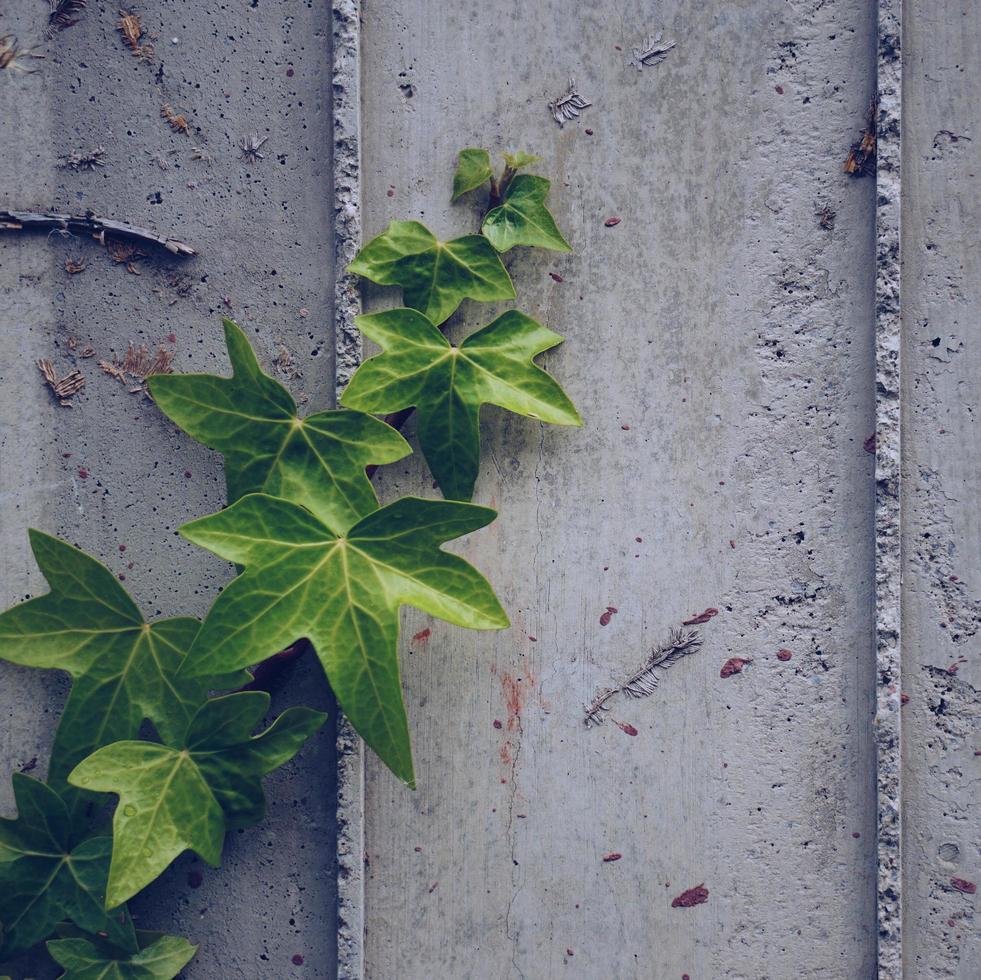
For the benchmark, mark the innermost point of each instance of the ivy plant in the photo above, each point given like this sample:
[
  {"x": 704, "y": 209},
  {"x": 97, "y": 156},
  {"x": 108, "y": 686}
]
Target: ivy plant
[{"x": 157, "y": 751}]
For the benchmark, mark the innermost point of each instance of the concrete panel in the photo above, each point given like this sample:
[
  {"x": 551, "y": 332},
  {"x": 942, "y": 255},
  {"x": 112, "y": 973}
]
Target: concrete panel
[
  {"x": 110, "y": 471},
  {"x": 941, "y": 476},
  {"x": 720, "y": 348}
]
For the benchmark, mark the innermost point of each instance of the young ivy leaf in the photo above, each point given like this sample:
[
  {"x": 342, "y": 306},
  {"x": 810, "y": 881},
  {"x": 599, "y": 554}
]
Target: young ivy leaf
[
  {"x": 473, "y": 169},
  {"x": 44, "y": 879},
  {"x": 123, "y": 669},
  {"x": 519, "y": 160},
  {"x": 436, "y": 277},
  {"x": 186, "y": 794},
  {"x": 343, "y": 594},
  {"x": 318, "y": 461},
  {"x": 448, "y": 384},
  {"x": 83, "y": 959},
  {"x": 523, "y": 219}
]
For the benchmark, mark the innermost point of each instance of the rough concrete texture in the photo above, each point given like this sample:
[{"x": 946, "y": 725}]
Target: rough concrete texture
[
  {"x": 720, "y": 346},
  {"x": 941, "y": 476},
  {"x": 111, "y": 471}
]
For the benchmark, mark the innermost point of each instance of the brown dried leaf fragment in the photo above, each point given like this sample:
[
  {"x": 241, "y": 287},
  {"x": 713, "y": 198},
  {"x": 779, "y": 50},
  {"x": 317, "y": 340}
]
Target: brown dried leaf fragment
[
  {"x": 64, "y": 14},
  {"x": 12, "y": 55},
  {"x": 63, "y": 388},
  {"x": 131, "y": 29},
  {"x": 81, "y": 160},
  {"x": 177, "y": 121},
  {"x": 826, "y": 217},
  {"x": 138, "y": 365},
  {"x": 74, "y": 266},
  {"x": 124, "y": 253},
  {"x": 861, "y": 157}
]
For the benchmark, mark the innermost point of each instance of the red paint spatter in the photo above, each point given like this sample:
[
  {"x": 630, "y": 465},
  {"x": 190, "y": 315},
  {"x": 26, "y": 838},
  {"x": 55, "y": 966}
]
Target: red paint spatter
[
  {"x": 611, "y": 611},
  {"x": 498, "y": 724},
  {"x": 422, "y": 635},
  {"x": 904, "y": 699},
  {"x": 171, "y": 338},
  {"x": 556, "y": 277},
  {"x": 702, "y": 617},
  {"x": 684, "y": 976},
  {"x": 734, "y": 665},
  {"x": 612, "y": 222},
  {"x": 83, "y": 474},
  {"x": 296, "y": 959},
  {"x": 625, "y": 727},
  {"x": 612, "y": 856},
  {"x": 534, "y": 639},
  {"x": 625, "y": 427},
  {"x": 784, "y": 655},
  {"x": 778, "y": 89},
  {"x": 569, "y": 952},
  {"x": 967, "y": 887},
  {"x": 693, "y": 896},
  {"x": 869, "y": 444}
]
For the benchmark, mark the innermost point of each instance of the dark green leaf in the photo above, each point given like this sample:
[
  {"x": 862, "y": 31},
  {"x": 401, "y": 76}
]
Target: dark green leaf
[
  {"x": 473, "y": 169},
  {"x": 344, "y": 594},
  {"x": 123, "y": 669},
  {"x": 435, "y": 276},
  {"x": 318, "y": 461},
  {"x": 523, "y": 219},
  {"x": 185, "y": 795},
  {"x": 44, "y": 879},
  {"x": 448, "y": 385},
  {"x": 84, "y": 960}
]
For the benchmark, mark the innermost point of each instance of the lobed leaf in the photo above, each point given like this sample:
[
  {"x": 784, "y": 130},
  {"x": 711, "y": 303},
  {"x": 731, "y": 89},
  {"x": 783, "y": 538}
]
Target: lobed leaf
[
  {"x": 344, "y": 594},
  {"x": 83, "y": 959},
  {"x": 473, "y": 169},
  {"x": 318, "y": 461},
  {"x": 123, "y": 669},
  {"x": 185, "y": 795},
  {"x": 45, "y": 877},
  {"x": 519, "y": 160},
  {"x": 448, "y": 384},
  {"x": 436, "y": 277},
  {"x": 523, "y": 219}
]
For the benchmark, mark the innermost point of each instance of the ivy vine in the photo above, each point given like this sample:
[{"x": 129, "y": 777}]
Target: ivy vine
[{"x": 318, "y": 560}]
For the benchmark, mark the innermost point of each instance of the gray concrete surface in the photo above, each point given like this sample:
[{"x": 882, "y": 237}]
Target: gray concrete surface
[
  {"x": 720, "y": 347},
  {"x": 265, "y": 239},
  {"x": 941, "y": 475}
]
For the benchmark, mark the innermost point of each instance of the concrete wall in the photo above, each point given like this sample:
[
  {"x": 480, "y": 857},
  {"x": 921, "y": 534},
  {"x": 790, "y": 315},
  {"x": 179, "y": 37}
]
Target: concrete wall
[
  {"x": 719, "y": 344},
  {"x": 733, "y": 343},
  {"x": 264, "y": 235}
]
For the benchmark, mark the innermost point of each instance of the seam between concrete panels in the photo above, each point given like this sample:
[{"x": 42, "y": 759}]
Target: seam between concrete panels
[
  {"x": 346, "y": 105},
  {"x": 888, "y": 478}
]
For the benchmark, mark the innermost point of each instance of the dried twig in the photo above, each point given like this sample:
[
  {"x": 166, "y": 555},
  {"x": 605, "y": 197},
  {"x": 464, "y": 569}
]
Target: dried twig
[
  {"x": 250, "y": 146},
  {"x": 653, "y": 51},
  {"x": 79, "y": 160},
  {"x": 566, "y": 107},
  {"x": 644, "y": 681},
  {"x": 64, "y": 14},
  {"x": 65, "y": 387},
  {"x": 89, "y": 223}
]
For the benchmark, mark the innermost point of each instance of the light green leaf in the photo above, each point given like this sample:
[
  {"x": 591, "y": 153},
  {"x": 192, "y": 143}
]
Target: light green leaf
[
  {"x": 185, "y": 795},
  {"x": 84, "y": 960},
  {"x": 447, "y": 385},
  {"x": 473, "y": 169},
  {"x": 436, "y": 277},
  {"x": 123, "y": 669},
  {"x": 519, "y": 160},
  {"x": 523, "y": 219},
  {"x": 45, "y": 877},
  {"x": 318, "y": 461},
  {"x": 344, "y": 594}
]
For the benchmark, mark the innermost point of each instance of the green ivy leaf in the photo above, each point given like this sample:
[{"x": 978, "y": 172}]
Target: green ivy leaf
[
  {"x": 436, "y": 277},
  {"x": 45, "y": 879},
  {"x": 82, "y": 959},
  {"x": 123, "y": 669},
  {"x": 185, "y": 795},
  {"x": 344, "y": 594},
  {"x": 318, "y": 461},
  {"x": 473, "y": 169},
  {"x": 448, "y": 384},
  {"x": 519, "y": 160},
  {"x": 523, "y": 219}
]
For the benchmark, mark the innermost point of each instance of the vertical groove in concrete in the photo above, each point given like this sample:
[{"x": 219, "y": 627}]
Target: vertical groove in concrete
[
  {"x": 887, "y": 473},
  {"x": 346, "y": 64}
]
